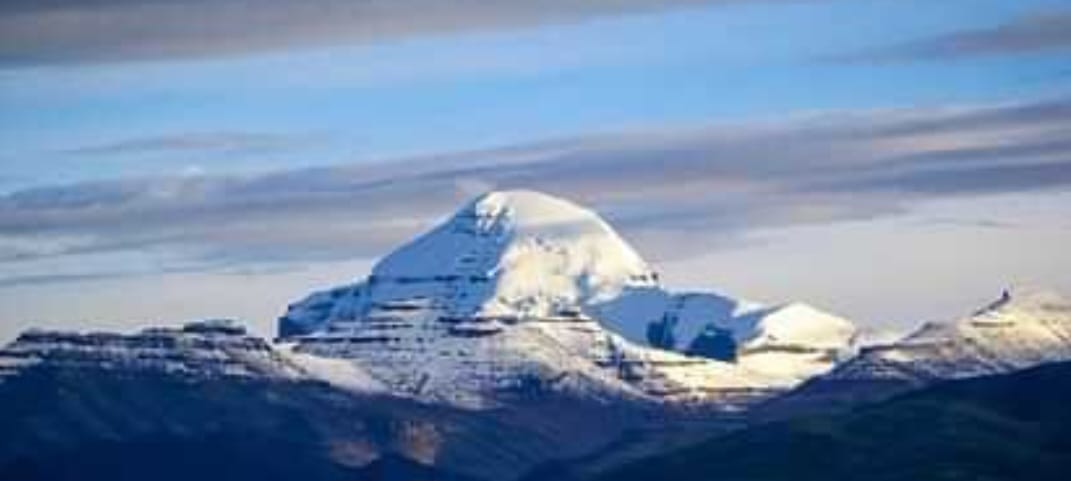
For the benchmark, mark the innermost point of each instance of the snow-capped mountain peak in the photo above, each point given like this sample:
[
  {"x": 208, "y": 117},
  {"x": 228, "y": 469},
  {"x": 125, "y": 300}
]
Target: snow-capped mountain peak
[
  {"x": 1017, "y": 330},
  {"x": 520, "y": 290},
  {"x": 519, "y": 253},
  {"x": 1028, "y": 299},
  {"x": 1012, "y": 316},
  {"x": 800, "y": 324}
]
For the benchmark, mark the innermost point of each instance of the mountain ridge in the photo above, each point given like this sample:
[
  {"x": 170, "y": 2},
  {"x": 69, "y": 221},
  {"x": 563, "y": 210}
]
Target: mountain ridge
[
  {"x": 1016, "y": 331},
  {"x": 443, "y": 352},
  {"x": 521, "y": 290},
  {"x": 1007, "y": 426}
]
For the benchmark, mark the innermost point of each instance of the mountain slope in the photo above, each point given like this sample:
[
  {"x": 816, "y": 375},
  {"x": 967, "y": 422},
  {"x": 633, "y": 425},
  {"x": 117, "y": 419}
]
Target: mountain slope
[
  {"x": 78, "y": 419},
  {"x": 68, "y": 422},
  {"x": 204, "y": 349},
  {"x": 519, "y": 254},
  {"x": 209, "y": 349},
  {"x": 1007, "y": 427},
  {"x": 787, "y": 343},
  {"x": 1014, "y": 332},
  {"x": 1017, "y": 331},
  {"x": 215, "y": 456},
  {"x": 520, "y": 293},
  {"x": 505, "y": 255}
]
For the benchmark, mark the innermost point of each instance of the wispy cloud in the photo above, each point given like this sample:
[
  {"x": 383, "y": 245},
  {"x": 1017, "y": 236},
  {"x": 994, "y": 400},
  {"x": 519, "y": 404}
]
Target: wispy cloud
[
  {"x": 253, "y": 142},
  {"x": 711, "y": 182},
  {"x": 80, "y": 31},
  {"x": 1042, "y": 32},
  {"x": 35, "y": 279}
]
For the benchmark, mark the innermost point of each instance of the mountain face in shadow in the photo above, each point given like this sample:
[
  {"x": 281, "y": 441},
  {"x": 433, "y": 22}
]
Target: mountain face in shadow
[
  {"x": 217, "y": 456},
  {"x": 87, "y": 424},
  {"x": 208, "y": 398},
  {"x": 1006, "y": 427}
]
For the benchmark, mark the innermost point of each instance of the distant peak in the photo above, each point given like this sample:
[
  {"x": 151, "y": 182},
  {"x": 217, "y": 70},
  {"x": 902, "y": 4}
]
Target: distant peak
[{"x": 1027, "y": 298}]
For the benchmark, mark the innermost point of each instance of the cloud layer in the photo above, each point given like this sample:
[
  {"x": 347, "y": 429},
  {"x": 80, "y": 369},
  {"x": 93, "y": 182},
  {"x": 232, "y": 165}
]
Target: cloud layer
[
  {"x": 80, "y": 31},
  {"x": 1036, "y": 33},
  {"x": 232, "y": 141},
  {"x": 713, "y": 183}
]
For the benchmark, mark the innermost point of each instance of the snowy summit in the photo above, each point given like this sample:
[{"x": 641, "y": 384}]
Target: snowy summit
[
  {"x": 520, "y": 253},
  {"x": 520, "y": 286}
]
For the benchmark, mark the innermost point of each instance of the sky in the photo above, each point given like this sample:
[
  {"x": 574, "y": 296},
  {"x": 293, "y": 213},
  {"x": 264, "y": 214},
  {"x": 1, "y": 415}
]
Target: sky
[{"x": 893, "y": 161}]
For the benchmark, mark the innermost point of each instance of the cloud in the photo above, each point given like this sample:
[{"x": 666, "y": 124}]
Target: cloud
[
  {"x": 87, "y": 31},
  {"x": 196, "y": 142},
  {"x": 986, "y": 179},
  {"x": 35, "y": 279},
  {"x": 1037, "y": 33},
  {"x": 673, "y": 192}
]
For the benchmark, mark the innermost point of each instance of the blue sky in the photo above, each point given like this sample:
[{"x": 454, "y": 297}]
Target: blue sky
[
  {"x": 88, "y": 116},
  {"x": 489, "y": 88}
]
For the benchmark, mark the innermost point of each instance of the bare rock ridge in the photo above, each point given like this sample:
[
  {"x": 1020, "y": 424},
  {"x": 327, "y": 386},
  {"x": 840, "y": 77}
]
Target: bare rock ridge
[{"x": 520, "y": 292}]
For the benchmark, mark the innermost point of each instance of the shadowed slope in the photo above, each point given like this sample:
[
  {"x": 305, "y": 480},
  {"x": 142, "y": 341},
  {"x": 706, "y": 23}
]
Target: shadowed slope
[{"x": 1006, "y": 427}]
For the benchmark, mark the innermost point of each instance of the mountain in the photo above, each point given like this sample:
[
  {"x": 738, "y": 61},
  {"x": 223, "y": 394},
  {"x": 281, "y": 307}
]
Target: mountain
[
  {"x": 788, "y": 343},
  {"x": 505, "y": 255},
  {"x": 198, "y": 350},
  {"x": 1017, "y": 331},
  {"x": 520, "y": 293},
  {"x": 1004, "y": 427},
  {"x": 218, "y": 348},
  {"x": 521, "y": 332},
  {"x": 217, "y": 456},
  {"x": 209, "y": 401}
]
